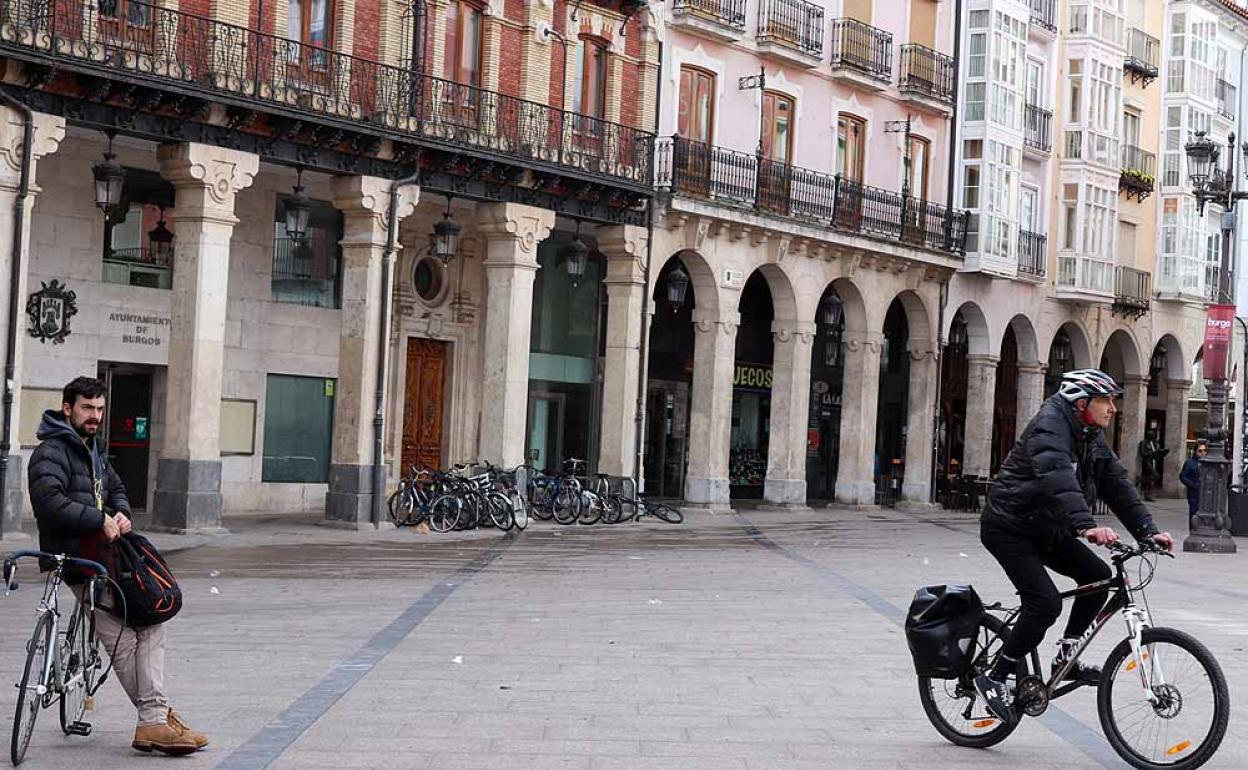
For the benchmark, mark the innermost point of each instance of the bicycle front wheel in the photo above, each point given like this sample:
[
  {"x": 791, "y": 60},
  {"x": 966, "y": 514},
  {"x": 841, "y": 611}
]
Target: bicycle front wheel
[
  {"x": 34, "y": 683},
  {"x": 500, "y": 511},
  {"x": 952, "y": 705},
  {"x": 444, "y": 513},
  {"x": 519, "y": 510},
  {"x": 1184, "y": 723}
]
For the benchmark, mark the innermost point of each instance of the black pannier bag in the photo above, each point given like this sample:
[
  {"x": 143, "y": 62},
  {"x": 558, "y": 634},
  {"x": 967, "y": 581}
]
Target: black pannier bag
[{"x": 940, "y": 628}]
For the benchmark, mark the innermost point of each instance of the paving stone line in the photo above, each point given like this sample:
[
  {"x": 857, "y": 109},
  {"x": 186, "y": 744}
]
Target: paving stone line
[{"x": 271, "y": 741}]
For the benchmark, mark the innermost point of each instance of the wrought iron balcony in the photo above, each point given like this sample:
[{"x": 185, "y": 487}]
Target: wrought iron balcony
[
  {"x": 1143, "y": 56},
  {"x": 1132, "y": 291},
  {"x": 1038, "y": 128},
  {"x": 794, "y": 24},
  {"x": 1138, "y": 171},
  {"x": 1226, "y": 95},
  {"x": 705, "y": 172},
  {"x": 924, "y": 72},
  {"x": 192, "y": 56},
  {"x": 1044, "y": 14},
  {"x": 862, "y": 47},
  {"x": 726, "y": 13},
  {"x": 1033, "y": 255}
]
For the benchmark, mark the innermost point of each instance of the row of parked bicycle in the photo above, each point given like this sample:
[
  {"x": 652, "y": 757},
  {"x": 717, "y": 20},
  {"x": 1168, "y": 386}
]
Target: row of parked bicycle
[{"x": 484, "y": 495}]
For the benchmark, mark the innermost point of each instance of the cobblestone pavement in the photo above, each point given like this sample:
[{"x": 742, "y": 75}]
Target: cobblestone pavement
[{"x": 768, "y": 639}]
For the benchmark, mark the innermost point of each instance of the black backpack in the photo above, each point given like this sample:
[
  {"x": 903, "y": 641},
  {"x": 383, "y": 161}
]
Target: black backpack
[
  {"x": 149, "y": 594},
  {"x": 941, "y": 627}
]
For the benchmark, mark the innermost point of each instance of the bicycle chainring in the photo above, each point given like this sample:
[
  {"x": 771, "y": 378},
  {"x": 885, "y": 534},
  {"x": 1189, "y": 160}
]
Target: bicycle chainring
[{"x": 1031, "y": 696}]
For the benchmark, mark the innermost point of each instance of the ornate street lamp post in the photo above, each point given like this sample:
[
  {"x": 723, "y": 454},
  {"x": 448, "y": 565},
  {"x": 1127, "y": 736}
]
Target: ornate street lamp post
[{"x": 1210, "y": 527}]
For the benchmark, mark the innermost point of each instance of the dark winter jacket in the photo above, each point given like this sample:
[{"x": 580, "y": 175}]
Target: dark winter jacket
[
  {"x": 1057, "y": 470},
  {"x": 60, "y": 479},
  {"x": 1190, "y": 476}
]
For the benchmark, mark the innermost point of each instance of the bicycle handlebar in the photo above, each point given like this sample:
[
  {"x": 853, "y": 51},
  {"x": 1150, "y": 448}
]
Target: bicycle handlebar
[
  {"x": 1139, "y": 549},
  {"x": 10, "y": 564}
]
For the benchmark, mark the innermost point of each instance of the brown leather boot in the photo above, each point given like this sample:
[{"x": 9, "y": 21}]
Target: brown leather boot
[
  {"x": 163, "y": 738},
  {"x": 175, "y": 721}
]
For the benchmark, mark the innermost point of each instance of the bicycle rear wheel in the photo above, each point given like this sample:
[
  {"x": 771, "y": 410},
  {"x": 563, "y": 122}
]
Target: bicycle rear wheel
[
  {"x": 953, "y": 707},
  {"x": 519, "y": 510},
  {"x": 34, "y": 679},
  {"x": 665, "y": 513},
  {"x": 500, "y": 510},
  {"x": 444, "y": 513},
  {"x": 566, "y": 506},
  {"x": 1186, "y": 725}
]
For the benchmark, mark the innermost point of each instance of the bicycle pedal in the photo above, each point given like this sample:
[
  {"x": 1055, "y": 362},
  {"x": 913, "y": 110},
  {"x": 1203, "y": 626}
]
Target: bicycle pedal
[{"x": 80, "y": 728}]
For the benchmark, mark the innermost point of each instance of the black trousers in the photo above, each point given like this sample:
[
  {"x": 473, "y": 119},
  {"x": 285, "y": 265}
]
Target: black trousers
[{"x": 1024, "y": 550}]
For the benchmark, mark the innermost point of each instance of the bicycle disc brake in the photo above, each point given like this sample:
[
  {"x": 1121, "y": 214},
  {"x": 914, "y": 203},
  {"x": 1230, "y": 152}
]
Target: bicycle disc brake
[{"x": 1032, "y": 696}]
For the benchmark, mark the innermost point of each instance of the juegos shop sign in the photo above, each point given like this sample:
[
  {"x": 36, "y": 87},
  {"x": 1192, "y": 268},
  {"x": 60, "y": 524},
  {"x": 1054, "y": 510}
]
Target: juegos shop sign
[{"x": 751, "y": 377}]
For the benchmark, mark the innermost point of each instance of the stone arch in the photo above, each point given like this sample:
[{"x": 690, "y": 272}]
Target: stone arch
[
  {"x": 1122, "y": 353},
  {"x": 1080, "y": 344},
  {"x": 1176, "y": 361},
  {"x": 855, "y": 305},
  {"x": 1025, "y": 337},
  {"x": 918, "y": 321},
  {"x": 783, "y": 295},
  {"x": 979, "y": 339},
  {"x": 702, "y": 281}
]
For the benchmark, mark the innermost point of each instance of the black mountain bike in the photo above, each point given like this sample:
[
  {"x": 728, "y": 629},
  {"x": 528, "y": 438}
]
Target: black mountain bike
[{"x": 1162, "y": 697}]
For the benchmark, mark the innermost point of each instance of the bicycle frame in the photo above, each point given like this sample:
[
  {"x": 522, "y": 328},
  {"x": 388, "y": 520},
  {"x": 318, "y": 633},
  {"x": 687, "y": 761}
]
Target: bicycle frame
[{"x": 1120, "y": 601}]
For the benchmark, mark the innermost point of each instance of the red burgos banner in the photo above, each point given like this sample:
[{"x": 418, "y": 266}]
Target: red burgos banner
[{"x": 1218, "y": 340}]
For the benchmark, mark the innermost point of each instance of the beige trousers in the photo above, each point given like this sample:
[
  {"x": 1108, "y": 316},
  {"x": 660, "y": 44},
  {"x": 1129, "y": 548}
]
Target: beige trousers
[{"x": 138, "y": 658}]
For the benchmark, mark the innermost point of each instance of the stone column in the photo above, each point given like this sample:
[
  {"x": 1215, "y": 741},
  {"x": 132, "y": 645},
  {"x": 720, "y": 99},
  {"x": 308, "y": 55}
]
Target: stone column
[
  {"x": 511, "y": 233},
  {"x": 860, "y": 398},
  {"x": 1131, "y": 422},
  {"x": 921, "y": 410},
  {"x": 1177, "y": 394},
  {"x": 710, "y": 416},
  {"x": 364, "y": 202},
  {"x": 1030, "y": 394},
  {"x": 790, "y": 410},
  {"x": 49, "y": 130},
  {"x": 625, "y": 250},
  {"x": 188, "y": 473},
  {"x": 981, "y": 388}
]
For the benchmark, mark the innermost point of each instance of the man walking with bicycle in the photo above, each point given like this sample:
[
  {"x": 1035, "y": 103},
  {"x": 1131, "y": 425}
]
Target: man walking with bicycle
[
  {"x": 1039, "y": 508},
  {"x": 78, "y": 498}
]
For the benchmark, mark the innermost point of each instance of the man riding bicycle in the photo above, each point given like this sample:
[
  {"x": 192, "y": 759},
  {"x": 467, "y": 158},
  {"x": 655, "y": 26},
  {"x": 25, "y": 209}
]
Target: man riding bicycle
[{"x": 1039, "y": 508}]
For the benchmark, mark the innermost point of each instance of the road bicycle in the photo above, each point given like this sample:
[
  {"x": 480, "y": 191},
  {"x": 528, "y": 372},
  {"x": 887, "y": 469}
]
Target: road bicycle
[
  {"x": 63, "y": 664},
  {"x": 1162, "y": 697}
]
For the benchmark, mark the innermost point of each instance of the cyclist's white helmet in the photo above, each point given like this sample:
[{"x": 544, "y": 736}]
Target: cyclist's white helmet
[{"x": 1088, "y": 383}]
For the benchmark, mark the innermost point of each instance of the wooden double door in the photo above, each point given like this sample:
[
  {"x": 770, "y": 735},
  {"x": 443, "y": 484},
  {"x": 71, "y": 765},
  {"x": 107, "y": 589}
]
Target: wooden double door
[{"x": 424, "y": 403}]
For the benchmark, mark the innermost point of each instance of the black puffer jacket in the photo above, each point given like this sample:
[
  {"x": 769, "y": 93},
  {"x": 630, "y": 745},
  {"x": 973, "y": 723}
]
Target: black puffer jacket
[
  {"x": 60, "y": 481},
  {"x": 1057, "y": 470}
]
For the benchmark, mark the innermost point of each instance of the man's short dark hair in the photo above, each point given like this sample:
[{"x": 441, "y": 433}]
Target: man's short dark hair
[{"x": 82, "y": 387}]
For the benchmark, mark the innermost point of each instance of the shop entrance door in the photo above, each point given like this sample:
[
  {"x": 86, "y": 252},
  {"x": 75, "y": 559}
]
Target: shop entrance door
[
  {"x": 128, "y": 426},
  {"x": 667, "y": 422},
  {"x": 546, "y": 422},
  {"x": 423, "y": 405}
]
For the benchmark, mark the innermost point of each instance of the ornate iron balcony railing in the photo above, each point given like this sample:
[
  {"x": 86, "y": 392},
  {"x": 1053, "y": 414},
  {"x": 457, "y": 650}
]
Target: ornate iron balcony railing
[
  {"x": 729, "y": 13},
  {"x": 863, "y": 47},
  {"x": 795, "y": 24},
  {"x": 1044, "y": 14},
  {"x": 927, "y": 72},
  {"x": 1143, "y": 56},
  {"x": 1032, "y": 255},
  {"x": 168, "y": 49},
  {"x": 1132, "y": 291},
  {"x": 705, "y": 172},
  {"x": 1038, "y": 128}
]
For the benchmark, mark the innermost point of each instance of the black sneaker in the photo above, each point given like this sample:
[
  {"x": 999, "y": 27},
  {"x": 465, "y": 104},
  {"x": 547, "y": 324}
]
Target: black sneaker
[
  {"x": 996, "y": 696},
  {"x": 1080, "y": 672}
]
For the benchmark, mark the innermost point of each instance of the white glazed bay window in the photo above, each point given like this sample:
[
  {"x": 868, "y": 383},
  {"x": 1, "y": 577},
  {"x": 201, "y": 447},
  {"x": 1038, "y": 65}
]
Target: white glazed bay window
[
  {"x": 1104, "y": 20},
  {"x": 1094, "y": 99},
  {"x": 1190, "y": 248},
  {"x": 1086, "y": 258}
]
